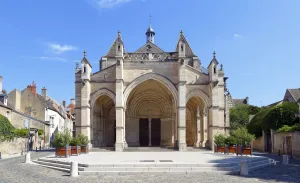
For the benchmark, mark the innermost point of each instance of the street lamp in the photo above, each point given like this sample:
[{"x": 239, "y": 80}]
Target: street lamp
[{"x": 30, "y": 110}]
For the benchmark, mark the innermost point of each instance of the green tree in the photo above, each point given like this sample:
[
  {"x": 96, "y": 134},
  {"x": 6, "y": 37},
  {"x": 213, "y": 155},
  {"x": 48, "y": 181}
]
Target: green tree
[
  {"x": 273, "y": 118},
  {"x": 6, "y": 129}
]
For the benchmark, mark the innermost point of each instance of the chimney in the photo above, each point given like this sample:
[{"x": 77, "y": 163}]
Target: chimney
[
  {"x": 72, "y": 101},
  {"x": 32, "y": 88},
  {"x": 247, "y": 100},
  {"x": 64, "y": 103},
  {"x": 44, "y": 93},
  {"x": 0, "y": 84}
]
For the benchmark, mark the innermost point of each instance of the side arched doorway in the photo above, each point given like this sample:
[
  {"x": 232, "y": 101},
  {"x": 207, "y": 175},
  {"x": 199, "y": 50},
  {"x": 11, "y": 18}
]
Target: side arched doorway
[
  {"x": 196, "y": 122},
  {"x": 150, "y": 115},
  {"x": 103, "y": 122}
]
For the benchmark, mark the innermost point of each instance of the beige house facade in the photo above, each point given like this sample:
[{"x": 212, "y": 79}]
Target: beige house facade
[{"x": 151, "y": 98}]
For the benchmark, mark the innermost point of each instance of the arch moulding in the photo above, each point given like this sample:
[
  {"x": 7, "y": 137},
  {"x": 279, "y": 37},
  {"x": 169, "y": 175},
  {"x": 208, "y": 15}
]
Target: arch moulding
[
  {"x": 198, "y": 93},
  {"x": 155, "y": 77},
  {"x": 99, "y": 93}
]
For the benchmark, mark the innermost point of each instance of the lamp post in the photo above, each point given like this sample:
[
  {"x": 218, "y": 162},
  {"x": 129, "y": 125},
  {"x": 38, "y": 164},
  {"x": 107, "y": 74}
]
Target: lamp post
[{"x": 30, "y": 110}]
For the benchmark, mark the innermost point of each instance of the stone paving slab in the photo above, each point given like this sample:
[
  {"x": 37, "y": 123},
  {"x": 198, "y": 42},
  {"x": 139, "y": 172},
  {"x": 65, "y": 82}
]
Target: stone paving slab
[{"x": 97, "y": 158}]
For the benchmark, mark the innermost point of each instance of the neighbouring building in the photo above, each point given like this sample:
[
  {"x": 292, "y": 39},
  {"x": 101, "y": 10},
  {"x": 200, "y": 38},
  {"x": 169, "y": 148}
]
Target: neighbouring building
[
  {"x": 292, "y": 95},
  {"x": 43, "y": 111},
  {"x": 151, "y": 97}
]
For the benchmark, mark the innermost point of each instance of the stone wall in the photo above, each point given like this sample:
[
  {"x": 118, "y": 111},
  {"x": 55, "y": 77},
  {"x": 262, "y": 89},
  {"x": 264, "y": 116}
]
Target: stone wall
[
  {"x": 259, "y": 144},
  {"x": 280, "y": 143},
  {"x": 13, "y": 147}
]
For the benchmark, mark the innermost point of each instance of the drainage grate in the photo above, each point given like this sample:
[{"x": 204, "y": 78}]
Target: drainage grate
[
  {"x": 147, "y": 161},
  {"x": 165, "y": 160}
]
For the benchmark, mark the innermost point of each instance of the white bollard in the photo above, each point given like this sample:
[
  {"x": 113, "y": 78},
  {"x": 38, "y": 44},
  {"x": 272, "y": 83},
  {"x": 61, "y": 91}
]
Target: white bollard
[
  {"x": 244, "y": 168},
  {"x": 74, "y": 169},
  {"x": 285, "y": 159},
  {"x": 27, "y": 157}
]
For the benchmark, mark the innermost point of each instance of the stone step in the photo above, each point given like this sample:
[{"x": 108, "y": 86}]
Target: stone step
[
  {"x": 160, "y": 169},
  {"x": 60, "y": 162},
  {"x": 156, "y": 172},
  {"x": 56, "y": 168},
  {"x": 56, "y": 165},
  {"x": 163, "y": 165}
]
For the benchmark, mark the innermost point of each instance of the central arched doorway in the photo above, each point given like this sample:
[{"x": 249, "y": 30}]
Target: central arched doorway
[{"x": 150, "y": 115}]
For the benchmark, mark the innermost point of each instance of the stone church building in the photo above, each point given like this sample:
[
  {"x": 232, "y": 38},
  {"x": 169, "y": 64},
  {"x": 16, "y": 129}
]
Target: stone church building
[{"x": 151, "y": 98}]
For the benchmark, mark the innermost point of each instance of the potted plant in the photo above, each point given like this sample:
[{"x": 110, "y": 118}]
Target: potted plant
[
  {"x": 244, "y": 141},
  {"x": 75, "y": 146},
  {"x": 61, "y": 143},
  {"x": 84, "y": 141},
  {"x": 231, "y": 146},
  {"x": 220, "y": 143}
]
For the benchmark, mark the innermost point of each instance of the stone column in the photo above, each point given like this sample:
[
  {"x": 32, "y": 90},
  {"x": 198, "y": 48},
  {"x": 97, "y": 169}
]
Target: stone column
[
  {"x": 181, "y": 116},
  {"x": 149, "y": 122},
  {"x": 85, "y": 125},
  {"x": 198, "y": 143},
  {"x": 204, "y": 130},
  {"x": 119, "y": 145},
  {"x": 124, "y": 132}
]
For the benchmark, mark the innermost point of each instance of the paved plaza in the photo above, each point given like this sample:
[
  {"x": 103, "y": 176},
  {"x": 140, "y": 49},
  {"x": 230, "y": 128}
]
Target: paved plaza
[
  {"x": 15, "y": 171},
  {"x": 175, "y": 157}
]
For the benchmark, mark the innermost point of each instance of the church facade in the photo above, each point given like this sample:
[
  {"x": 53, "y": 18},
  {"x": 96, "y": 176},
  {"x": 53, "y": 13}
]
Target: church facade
[{"x": 151, "y": 98}]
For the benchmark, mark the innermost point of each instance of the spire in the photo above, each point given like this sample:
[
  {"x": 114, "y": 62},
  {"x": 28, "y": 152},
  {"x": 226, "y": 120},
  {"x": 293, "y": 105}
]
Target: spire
[
  {"x": 150, "y": 32},
  {"x": 214, "y": 55}
]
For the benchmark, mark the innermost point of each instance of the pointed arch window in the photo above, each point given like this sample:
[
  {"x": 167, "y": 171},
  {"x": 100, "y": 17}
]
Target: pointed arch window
[
  {"x": 84, "y": 69},
  {"x": 181, "y": 47}
]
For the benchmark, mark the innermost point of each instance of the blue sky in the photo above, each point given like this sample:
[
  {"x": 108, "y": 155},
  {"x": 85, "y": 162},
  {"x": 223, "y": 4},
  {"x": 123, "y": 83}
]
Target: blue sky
[{"x": 256, "y": 41}]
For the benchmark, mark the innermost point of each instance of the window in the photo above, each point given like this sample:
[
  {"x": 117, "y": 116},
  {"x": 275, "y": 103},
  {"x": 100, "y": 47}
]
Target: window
[
  {"x": 84, "y": 69},
  {"x": 181, "y": 47},
  {"x": 215, "y": 70},
  {"x": 119, "y": 48}
]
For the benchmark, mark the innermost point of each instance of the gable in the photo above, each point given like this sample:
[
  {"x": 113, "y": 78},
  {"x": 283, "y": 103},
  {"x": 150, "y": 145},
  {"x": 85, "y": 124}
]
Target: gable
[
  {"x": 107, "y": 74},
  {"x": 188, "y": 49},
  {"x": 194, "y": 76},
  {"x": 149, "y": 47}
]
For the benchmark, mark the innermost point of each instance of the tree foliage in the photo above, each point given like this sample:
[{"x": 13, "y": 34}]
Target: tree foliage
[
  {"x": 273, "y": 118},
  {"x": 239, "y": 115},
  {"x": 23, "y": 133},
  {"x": 6, "y": 129}
]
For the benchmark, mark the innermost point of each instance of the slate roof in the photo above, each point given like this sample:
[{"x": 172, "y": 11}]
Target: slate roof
[
  {"x": 240, "y": 101},
  {"x": 49, "y": 104},
  {"x": 295, "y": 93}
]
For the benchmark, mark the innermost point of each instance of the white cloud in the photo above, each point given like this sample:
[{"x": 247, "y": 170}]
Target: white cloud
[
  {"x": 52, "y": 58},
  {"x": 106, "y": 4},
  {"x": 237, "y": 35},
  {"x": 58, "y": 49}
]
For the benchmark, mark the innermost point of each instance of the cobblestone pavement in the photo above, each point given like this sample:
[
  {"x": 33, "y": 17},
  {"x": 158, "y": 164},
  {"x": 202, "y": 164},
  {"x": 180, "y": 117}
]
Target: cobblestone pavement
[{"x": 14, "y": 170}]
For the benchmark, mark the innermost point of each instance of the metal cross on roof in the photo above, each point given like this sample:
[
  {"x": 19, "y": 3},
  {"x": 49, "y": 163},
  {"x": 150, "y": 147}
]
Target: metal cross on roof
[
  {"x": 214, "y": 53},
  {"x": 84, "y": 53}
]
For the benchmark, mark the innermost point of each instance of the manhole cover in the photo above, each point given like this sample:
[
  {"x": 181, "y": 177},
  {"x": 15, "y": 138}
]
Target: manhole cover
[
  {"x": 165, "y": 161},
  {"x": 147, "y": 161}
]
